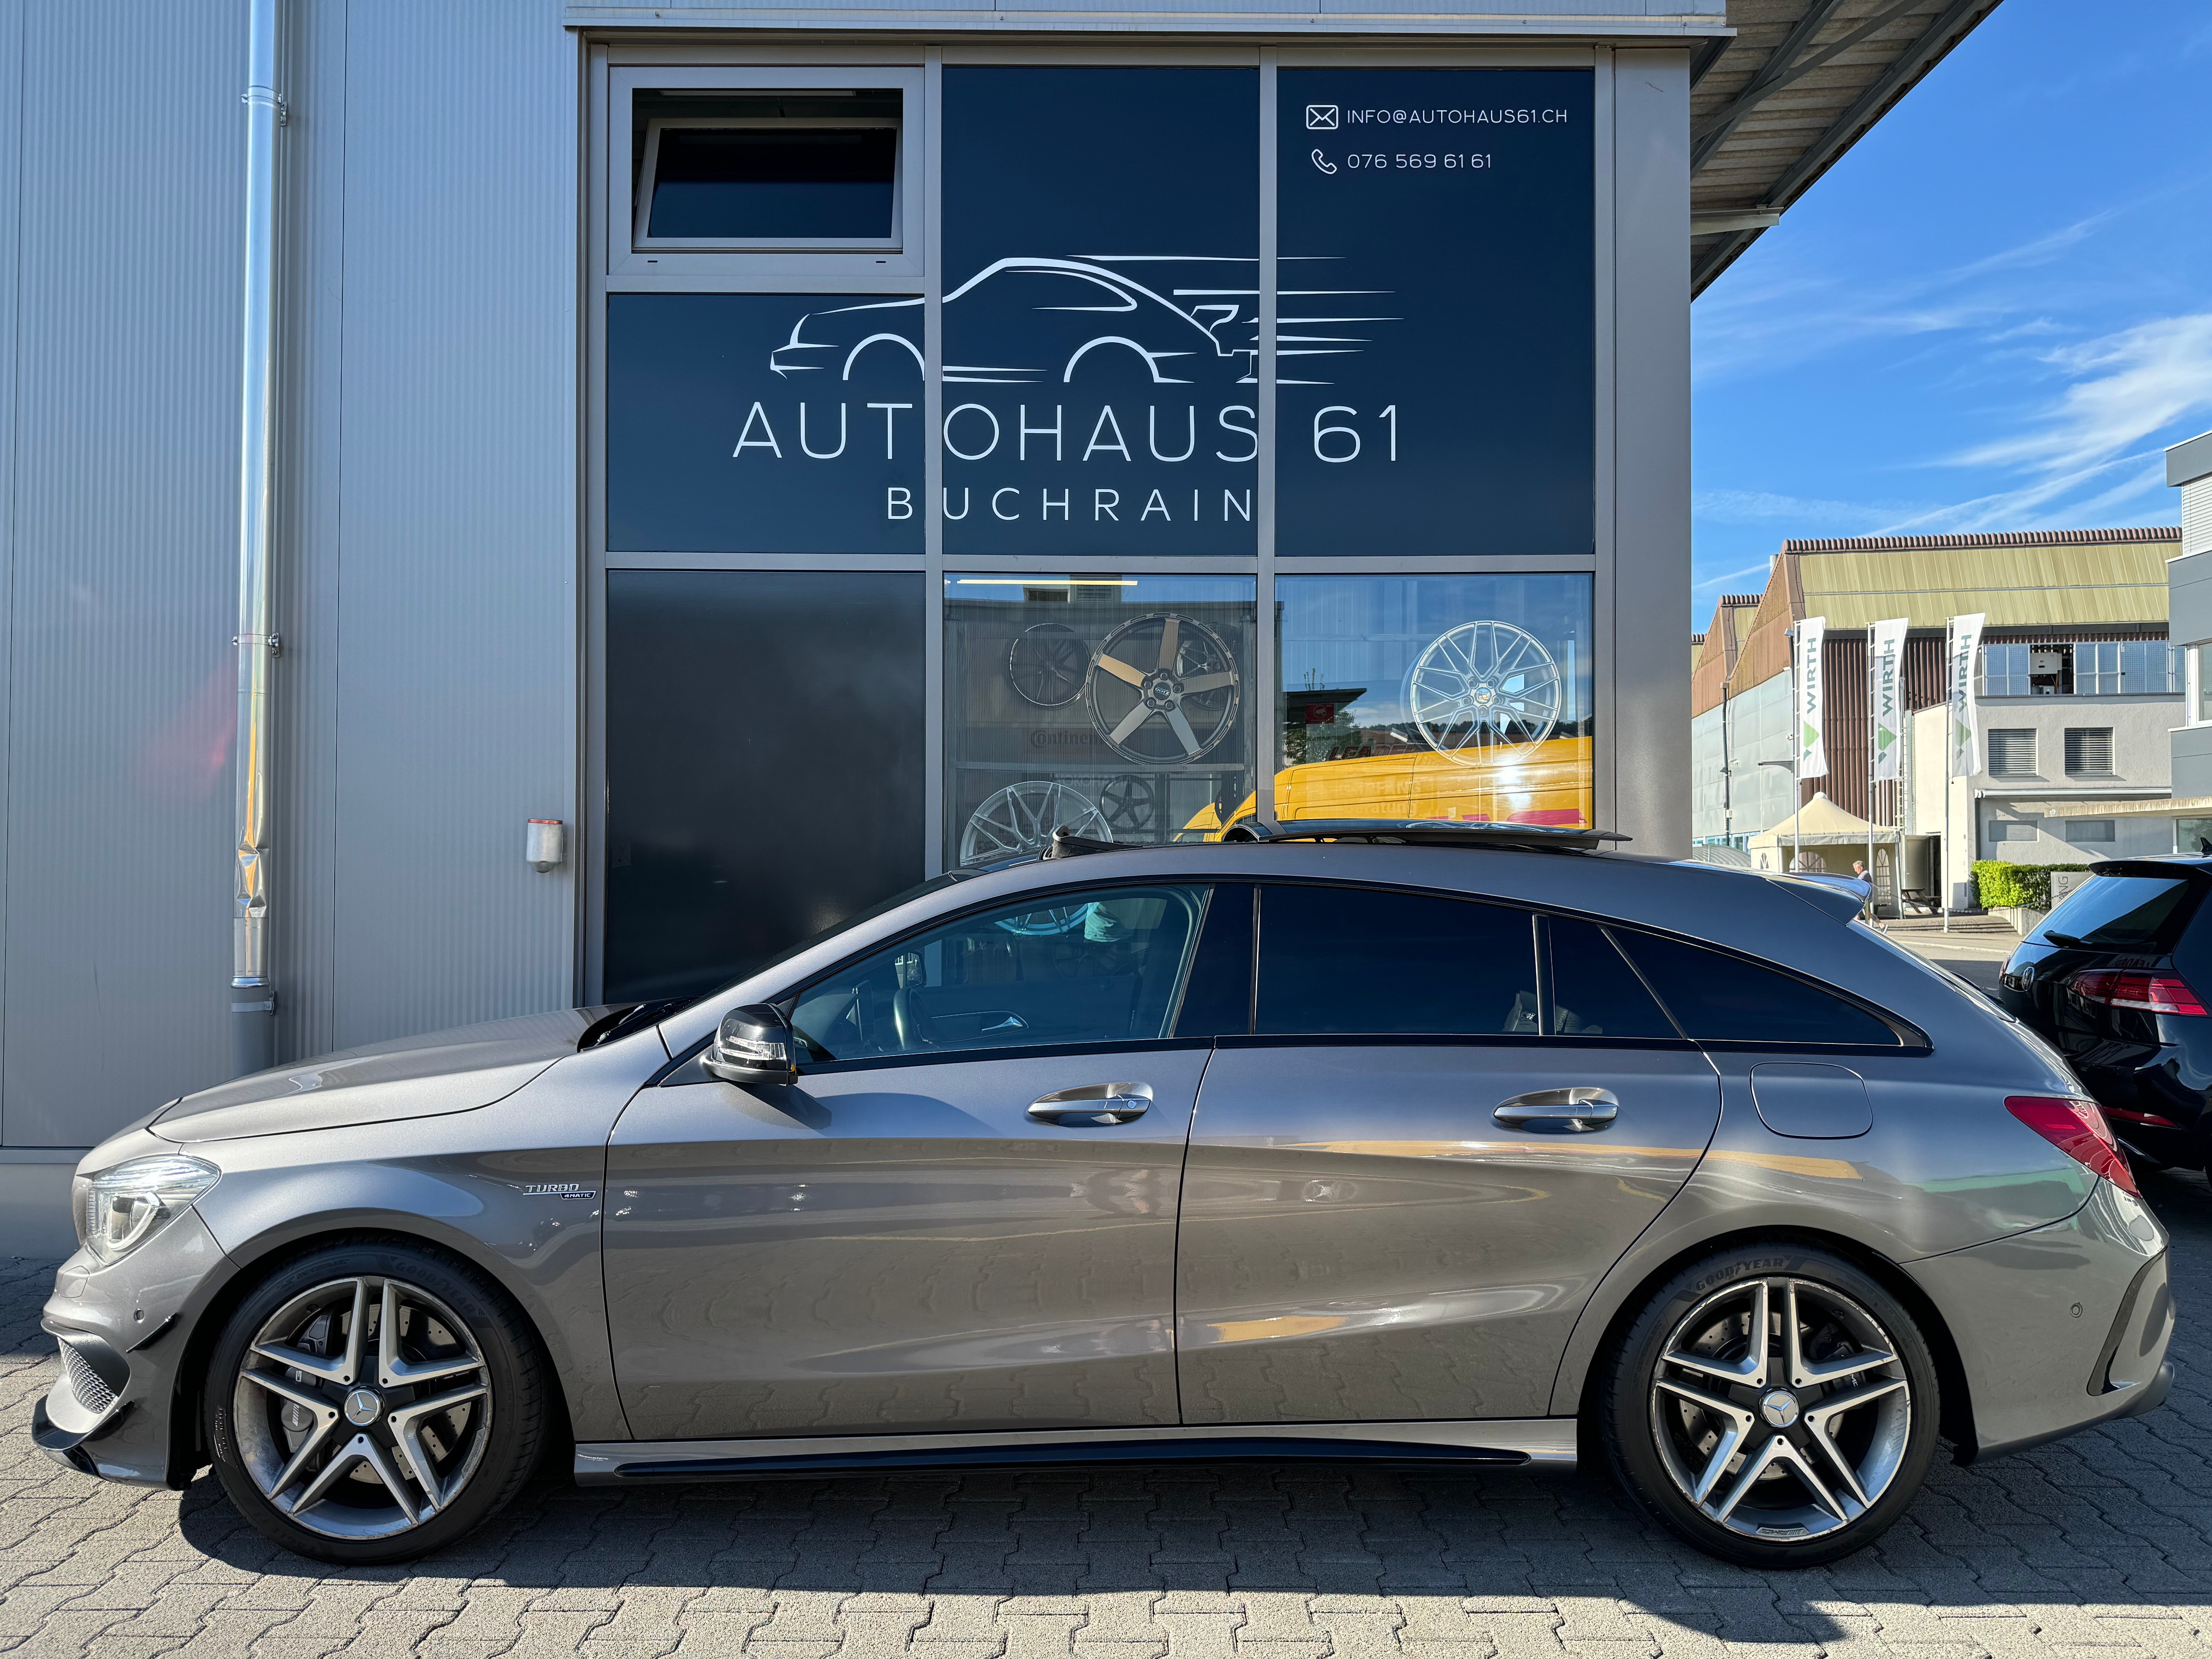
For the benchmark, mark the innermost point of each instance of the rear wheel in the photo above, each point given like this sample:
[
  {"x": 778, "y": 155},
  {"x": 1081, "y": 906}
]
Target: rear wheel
[
  {"x": 372, "y": 1402},
  {"x": 1775, "y": 1407}
]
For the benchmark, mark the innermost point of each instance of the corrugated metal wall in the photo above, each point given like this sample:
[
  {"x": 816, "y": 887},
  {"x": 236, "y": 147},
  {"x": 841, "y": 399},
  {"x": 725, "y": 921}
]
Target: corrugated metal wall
[
  {"x": 455, "y": 630},
  {"x": 428, "y": 551},
  {"x": 123, "y": 244}
]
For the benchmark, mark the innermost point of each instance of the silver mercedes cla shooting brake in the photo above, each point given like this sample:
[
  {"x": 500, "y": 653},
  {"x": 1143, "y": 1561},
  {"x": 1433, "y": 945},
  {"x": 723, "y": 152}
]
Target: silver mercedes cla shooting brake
[{"x": 1340, "y": 1141}]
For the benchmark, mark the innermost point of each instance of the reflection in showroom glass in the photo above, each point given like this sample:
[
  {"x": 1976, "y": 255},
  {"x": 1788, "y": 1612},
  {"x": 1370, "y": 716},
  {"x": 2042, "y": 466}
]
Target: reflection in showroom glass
[
  {"x": 1436, "y": 697},
  {"x": 1118, "y": 707}
]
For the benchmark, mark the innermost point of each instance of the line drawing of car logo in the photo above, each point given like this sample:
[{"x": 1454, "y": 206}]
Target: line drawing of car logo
[
  {"x": 1174, "y": 335},
  {"x": 1321, "y": 117}
]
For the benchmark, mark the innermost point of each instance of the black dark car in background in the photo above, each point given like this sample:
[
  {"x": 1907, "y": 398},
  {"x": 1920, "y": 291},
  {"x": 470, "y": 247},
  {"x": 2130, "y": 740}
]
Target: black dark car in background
[{"x": 2115, "y": 978}]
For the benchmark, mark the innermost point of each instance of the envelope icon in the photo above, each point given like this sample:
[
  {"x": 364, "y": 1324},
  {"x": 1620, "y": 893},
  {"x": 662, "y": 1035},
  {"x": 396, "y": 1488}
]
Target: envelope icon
[{"x": 1321, "y": 117}]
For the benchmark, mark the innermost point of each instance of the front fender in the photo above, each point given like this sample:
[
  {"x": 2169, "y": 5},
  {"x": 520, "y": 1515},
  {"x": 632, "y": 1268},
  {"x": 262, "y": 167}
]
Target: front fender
[{"x": 515, "y": 1188}]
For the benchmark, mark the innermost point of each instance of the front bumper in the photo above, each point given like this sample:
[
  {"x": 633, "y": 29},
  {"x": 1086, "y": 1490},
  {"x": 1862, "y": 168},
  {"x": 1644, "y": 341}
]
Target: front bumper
[
  {"x": 124, "y": 1331},
  {"x": 2060, "y": 1328}
]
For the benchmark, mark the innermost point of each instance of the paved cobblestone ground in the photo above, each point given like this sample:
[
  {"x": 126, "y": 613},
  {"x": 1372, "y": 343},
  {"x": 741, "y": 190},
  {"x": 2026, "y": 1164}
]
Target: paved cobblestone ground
[{"x": 2099, "y": 1547}]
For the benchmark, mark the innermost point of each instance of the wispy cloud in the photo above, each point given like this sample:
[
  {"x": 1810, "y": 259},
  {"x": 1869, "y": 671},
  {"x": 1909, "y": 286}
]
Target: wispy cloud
[
  {"x": 1800, "y": 312},
  {"x": 1760, "y": 570},
  {"x": 2122, "y": 389},
  {"x": 1763, "y": 506}
]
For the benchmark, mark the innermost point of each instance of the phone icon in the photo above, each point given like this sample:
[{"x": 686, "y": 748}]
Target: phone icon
[{"x": 1323, "y": 162}]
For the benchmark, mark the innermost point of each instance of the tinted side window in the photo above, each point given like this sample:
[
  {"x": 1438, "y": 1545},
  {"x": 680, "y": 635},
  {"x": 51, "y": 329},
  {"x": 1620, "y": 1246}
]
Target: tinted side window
[
  {"x": 1100, "y": 967},
  {"x": 1341, "y": 959},
  {"x": 1594, "y": 991},
  {"x": 1218, "y": 1001},
  {"x": 1724, "y": 999}
]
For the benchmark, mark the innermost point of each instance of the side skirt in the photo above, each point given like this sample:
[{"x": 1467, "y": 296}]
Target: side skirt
[{"x": 1539, "y": 1441}]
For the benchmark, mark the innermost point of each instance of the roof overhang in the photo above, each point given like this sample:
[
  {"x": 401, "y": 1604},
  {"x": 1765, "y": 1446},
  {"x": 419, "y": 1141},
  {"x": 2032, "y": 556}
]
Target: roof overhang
[{"x": 1774, "y": 105}]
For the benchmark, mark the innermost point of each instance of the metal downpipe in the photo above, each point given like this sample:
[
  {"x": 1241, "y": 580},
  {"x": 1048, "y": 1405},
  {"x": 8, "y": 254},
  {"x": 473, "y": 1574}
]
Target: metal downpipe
[{"x": 253, "y": 987}]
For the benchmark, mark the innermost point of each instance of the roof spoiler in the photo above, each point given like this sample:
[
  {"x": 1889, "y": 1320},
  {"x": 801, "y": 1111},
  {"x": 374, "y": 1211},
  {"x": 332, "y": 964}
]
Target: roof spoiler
[{"x": 1840, "y": 897}]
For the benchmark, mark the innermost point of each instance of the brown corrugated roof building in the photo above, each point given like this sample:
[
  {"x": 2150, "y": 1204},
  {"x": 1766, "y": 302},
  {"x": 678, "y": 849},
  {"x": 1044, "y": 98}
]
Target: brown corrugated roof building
[{"x": 2048, "y": 592}]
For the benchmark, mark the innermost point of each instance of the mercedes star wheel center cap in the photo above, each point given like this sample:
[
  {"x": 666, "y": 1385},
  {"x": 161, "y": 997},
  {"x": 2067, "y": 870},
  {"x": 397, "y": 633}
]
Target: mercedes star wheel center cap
[
  {"x": 1779, "y": 1408},
  {"x": 363, "y": 1407}
]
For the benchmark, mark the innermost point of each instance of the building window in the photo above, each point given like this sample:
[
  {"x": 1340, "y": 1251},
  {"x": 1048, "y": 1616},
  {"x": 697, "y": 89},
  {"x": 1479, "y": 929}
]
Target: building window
[
  {"x": 2151, "y": 668},
  {"x": 2088, "y": 750},
  {"x": 1120, "y": 708},
  {"x": 2193, "y": 835},
  {"x": 2004, "y": 671},
  {"x": 2012, "y": 829},
  {"x": 2012, "y": 753},
  {"x": 2090, "y": 832},
  {"x": 2097, "y": 670},
  {"x": 1436, "y": 697},
  {"x": 785, "y": 167}
]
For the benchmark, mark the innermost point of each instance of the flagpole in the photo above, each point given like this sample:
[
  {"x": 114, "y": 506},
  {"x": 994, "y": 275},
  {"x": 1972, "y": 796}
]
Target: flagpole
[
  {"x": 1873, "y": 910},
  {"x": 1950, "y": 743}
]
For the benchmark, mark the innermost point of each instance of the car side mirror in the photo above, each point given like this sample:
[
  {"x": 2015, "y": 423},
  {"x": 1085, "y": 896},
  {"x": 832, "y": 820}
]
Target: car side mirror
[{"x": 755, "y": 1045}]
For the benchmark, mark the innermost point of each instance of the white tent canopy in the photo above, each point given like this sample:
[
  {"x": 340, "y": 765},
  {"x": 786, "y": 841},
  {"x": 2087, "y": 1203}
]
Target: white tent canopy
[{"x": 1821, "y": 823}]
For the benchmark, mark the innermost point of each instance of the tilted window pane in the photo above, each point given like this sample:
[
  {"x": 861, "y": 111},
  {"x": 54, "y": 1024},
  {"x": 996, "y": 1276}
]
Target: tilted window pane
[
  {"x": 1436, "y": 697},
  {"x": 1723, "y": 999},
  {"x": 1349, "y": 960},
  {"x": 1120, "y": 708},
  {"x": 1100, "y": 966},
  {"x": 790, "y": 167},
  {"x": 1594, "y": 992}
]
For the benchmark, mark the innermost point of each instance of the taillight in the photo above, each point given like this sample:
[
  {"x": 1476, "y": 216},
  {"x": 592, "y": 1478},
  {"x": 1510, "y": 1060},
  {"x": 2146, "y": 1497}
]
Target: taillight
[
  {"x": 2078, "y": 1129},
  {"x": 2157, "y": 994}
]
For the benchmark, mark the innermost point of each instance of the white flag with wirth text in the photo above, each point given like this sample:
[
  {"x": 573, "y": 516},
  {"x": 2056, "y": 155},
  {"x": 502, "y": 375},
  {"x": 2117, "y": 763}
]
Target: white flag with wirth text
[
  {"x": 1812, "y": 699},
  {"x": 1962, "y": 650},
  {"x": 1885, "y": 664}
]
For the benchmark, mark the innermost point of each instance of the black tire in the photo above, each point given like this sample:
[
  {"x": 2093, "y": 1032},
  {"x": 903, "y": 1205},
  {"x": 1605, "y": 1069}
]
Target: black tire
[
  {"x": 1659, "y": 1444},
  {"x": 508, "y": 1368}
]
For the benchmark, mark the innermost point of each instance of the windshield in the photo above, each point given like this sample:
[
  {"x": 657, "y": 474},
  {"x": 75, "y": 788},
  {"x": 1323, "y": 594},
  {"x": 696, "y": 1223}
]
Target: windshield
[
  {"x": 904, "y": 896},
  {"x": 2120, "y": 913}
]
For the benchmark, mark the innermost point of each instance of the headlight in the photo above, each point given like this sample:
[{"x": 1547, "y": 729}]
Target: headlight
[{"x": 119, "y": 1209}]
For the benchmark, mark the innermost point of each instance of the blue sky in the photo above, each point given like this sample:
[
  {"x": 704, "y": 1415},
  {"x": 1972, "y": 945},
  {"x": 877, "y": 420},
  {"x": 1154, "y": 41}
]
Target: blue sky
[{"x": 1993, "y": 315}]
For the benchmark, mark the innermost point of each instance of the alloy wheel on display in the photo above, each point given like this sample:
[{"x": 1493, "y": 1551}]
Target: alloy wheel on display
[
  {"x": 1782, "y": 1409},
  {"x": 362, "y": 1408}
]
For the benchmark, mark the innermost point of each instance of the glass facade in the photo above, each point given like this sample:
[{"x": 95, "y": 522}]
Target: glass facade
[
  {"x": 1042, "y": 414},
  {"x": 2082, "y": 668},
  {"x": 1436, "y": 696},
  {"x": 1118, "y": 707}
]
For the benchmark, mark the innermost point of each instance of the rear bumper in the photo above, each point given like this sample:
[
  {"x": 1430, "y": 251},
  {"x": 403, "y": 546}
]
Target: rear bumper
[
  {"x": 2062, "y": 1327},
  {"x": 2058, "y": 1328}
]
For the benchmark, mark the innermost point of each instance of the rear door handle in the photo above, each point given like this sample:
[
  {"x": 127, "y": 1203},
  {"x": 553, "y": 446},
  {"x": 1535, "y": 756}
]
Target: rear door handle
[
  {"x": 1575, "y": 1111},
  {"x": 1094, "y": 1106}
]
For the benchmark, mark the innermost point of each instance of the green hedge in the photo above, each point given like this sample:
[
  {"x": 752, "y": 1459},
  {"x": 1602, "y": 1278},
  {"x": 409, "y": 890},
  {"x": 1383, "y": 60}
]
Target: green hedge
[{"x": 2027, "y": 885}]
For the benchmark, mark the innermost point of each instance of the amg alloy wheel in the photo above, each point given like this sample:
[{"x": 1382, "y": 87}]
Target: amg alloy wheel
[
  {"x": 363, "y": 1407},
  {"x": 1773, "y": 1408}
]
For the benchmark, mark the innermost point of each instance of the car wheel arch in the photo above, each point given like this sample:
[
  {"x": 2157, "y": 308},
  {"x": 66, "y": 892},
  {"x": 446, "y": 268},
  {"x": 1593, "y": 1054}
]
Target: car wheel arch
[
  {"x": 1573, "y": 1394},
  {"x": 252, "y": 1265}
]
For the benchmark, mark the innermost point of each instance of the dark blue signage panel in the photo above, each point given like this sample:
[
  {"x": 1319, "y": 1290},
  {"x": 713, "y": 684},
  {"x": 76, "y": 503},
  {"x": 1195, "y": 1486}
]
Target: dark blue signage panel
[
  {"x": 764, "y": 423},
  {"x": 1435, "y": 324},
  {"x": 1101, "y": 243}
]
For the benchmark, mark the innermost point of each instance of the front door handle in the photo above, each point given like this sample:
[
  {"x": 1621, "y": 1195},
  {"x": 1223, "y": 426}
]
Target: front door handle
[
  {"x": 1094, "y": 1106},
  {"x": 1575, "y": 1111}
]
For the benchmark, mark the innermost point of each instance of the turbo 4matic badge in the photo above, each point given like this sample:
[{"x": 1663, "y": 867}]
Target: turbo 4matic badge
[{"x": 555, "y": 1189}]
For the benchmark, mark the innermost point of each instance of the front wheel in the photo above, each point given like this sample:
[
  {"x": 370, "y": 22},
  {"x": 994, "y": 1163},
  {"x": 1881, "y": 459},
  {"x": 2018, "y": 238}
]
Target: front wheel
[
  {"x": 374, "y": 1401},
  {"x": 1773, "y": 1406}
]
